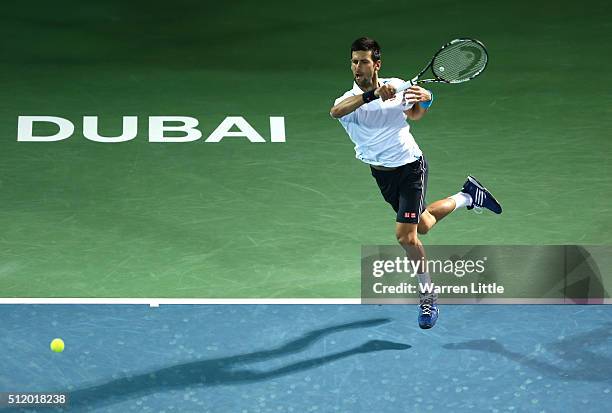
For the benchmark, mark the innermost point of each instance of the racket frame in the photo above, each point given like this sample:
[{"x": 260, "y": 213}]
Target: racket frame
[{"x": 415, "y": 80}]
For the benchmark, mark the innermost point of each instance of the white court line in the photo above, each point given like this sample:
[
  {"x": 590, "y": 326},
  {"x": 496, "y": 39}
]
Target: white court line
[{"x": 156, "y": 302}]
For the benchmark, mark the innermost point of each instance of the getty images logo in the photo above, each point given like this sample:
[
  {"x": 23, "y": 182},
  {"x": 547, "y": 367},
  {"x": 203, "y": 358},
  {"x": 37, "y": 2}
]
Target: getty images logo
[{"x": 158, "y": 127}]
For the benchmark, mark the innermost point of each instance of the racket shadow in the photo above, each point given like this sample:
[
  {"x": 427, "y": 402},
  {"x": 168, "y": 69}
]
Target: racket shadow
[{"x": 227, "y": 370}]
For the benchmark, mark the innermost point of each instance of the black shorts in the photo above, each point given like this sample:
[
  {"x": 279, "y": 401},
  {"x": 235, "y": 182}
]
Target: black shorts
[{"x": 404, "y": 188}]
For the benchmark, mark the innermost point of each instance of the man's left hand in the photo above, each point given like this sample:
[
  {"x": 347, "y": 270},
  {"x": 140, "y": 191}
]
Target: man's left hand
[{"x": 416, "y": 94}]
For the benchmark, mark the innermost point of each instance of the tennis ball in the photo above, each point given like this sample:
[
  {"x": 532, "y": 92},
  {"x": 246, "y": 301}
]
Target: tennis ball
[{"x": 57, "y": 345}]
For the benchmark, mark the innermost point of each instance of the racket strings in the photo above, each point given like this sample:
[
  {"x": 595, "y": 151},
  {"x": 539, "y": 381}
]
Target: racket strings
[{"x": 460, "y": 61}]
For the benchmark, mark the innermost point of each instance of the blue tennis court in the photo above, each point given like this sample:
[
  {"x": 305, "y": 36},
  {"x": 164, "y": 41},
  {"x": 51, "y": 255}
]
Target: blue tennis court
[{"x": 311, "y": 358}]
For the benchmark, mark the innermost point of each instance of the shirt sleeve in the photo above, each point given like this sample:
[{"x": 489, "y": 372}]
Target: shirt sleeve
[{"x": 349, "y": 116}]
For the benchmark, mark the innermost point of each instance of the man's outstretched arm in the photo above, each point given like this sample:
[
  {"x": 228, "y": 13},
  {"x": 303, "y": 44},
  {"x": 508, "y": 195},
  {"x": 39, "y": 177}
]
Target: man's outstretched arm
[{"x": 349, "y": 104}]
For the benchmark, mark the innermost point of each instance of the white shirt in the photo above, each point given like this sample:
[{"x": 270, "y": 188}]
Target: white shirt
[{"x": 379, "y": 129}]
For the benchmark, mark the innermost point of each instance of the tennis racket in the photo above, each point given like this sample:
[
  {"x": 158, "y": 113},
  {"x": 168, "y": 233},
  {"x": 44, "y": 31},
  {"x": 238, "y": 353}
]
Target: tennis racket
[{"x": 457, "y": 61}]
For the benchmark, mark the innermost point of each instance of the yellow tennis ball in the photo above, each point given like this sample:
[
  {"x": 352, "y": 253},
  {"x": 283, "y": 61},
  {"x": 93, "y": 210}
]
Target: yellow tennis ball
[{"x": 57, "y": 345}]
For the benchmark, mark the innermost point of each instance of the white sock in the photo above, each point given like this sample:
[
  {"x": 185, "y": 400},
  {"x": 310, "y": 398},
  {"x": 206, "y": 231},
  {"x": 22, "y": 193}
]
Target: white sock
[
  {"x": 424, "y": 279},
  {"x": 461, "y": 200}
]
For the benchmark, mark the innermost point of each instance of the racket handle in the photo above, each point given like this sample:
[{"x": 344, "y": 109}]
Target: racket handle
[{"x": 407, "y": 84}]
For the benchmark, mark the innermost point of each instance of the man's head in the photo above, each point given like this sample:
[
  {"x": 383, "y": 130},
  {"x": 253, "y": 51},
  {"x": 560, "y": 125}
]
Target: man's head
[{"x": 365, "y": 61}]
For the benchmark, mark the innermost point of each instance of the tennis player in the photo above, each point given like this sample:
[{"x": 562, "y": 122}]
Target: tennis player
[{"x": 376, "y": 120}]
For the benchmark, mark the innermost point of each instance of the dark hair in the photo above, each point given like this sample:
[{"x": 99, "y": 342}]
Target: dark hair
[{"x": 365, "y": 44}]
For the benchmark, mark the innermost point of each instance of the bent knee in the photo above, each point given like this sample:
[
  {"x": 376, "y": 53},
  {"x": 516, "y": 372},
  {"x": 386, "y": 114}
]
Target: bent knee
[
  {"x": 426, "y": 222},
  {"x": 408, "y": 240},
  {"x": 422, "y": 228}
]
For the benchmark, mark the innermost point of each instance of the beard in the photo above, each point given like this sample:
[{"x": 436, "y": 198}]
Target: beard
[{"x": 363, "y": 82}]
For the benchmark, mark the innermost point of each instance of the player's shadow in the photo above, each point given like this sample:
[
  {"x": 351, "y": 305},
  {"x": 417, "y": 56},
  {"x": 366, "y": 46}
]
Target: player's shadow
[
  {"x": 580, "y": 362},
  {"x": 227, "y": 370}
]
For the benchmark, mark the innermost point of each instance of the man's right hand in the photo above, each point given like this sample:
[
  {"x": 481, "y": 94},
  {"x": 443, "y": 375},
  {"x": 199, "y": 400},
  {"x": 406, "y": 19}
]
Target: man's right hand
[{"x": 385, "y": 92}]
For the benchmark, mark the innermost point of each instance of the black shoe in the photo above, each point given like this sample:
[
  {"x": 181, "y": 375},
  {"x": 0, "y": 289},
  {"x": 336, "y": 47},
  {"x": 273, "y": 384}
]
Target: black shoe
[{"x": 481, "y": 197}]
